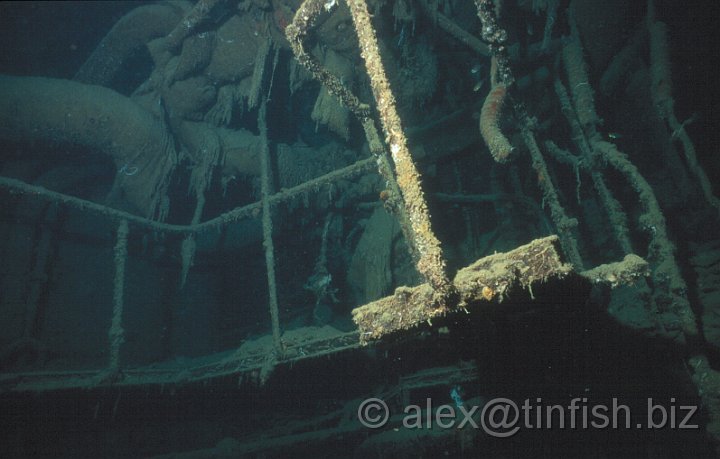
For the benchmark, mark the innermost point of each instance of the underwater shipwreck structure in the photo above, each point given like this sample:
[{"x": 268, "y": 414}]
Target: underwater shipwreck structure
[{"x": 227, "y": 192}]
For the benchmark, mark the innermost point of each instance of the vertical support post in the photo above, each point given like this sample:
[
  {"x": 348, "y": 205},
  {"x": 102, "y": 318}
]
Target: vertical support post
[
  {"x": 116, "y": 333},
  {"x": 661, "y": 90},
  {"x": 38, "y": 279},
  {"x": 266, "y": 190},
  {"x": 296, "y": 33},
  {"x": 564, "y": 224},
  {"x": 431, "y": 262},
  {"x": 591, "y": 160}
]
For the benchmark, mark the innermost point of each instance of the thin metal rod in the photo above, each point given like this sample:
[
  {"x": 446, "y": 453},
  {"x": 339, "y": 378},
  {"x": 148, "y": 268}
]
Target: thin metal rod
[
  {"x": 116, "y": 332},
  {"x": 19, "y": 187},
  {"x": 266, "y": 189}
]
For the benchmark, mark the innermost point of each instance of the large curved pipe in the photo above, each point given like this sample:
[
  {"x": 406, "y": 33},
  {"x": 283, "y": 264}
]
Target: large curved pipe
[{"x": 63, "y": 111}]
